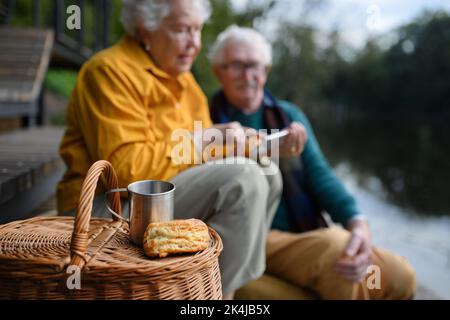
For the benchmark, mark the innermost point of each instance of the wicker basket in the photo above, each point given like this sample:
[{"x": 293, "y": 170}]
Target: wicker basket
[{"x": 40, "y": 258}]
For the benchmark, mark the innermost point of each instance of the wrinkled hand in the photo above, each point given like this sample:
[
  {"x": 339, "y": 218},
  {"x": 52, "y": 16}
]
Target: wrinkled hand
[
  {"x": 235, "y": 133},
  {"x": 293, "y": 144},
  {"x": 233, "y": 137},
  {"x": 358, "y": 253}
]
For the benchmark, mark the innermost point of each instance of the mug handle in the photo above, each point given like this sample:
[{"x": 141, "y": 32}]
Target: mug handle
[{"x": 107, "y": 193}]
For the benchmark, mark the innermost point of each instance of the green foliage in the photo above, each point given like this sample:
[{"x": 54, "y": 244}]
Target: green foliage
[
  {"x": 304, "y": 72},
  {"x": 61, "y": 82},
  {"x": 222, "y": 16},
  {"x": 296, "y": 63},
  {"x": 411, "y": 77}
]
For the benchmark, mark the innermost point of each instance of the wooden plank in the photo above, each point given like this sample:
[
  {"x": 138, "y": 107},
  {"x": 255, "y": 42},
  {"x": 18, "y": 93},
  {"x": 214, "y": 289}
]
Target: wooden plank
[
  {"x": 45, "y": 135},
  {"x": 10, "y": 123},
  {"x": 23, "y": 32},
  {"x": 22, "y": 205},
  {"x": 7, "y": 189},
  {"x": 26, "y": 158},
  {"x": 7, "y": 72},
  {"x": 45, "y": 60},
  {"x": 20, "y": 57},
  {"x": 17, "y": 79},
  {"x": 23, "y": 63},
  {"x": 23, "y": 45},
  {"x": 24, "y": 59},
  {"x": 18, "y": 85},
  {"x": 14, "y": 96}
]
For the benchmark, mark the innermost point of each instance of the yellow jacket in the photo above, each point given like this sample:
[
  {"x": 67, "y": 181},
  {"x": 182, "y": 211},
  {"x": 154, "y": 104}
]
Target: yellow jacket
[{"x": 124, "y": 109}]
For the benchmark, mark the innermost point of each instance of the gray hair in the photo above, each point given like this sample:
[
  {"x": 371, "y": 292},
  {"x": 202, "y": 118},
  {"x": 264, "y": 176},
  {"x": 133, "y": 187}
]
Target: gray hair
[
  {"x": 150, "y": 13},
  {"x": 235, "y": 34}
]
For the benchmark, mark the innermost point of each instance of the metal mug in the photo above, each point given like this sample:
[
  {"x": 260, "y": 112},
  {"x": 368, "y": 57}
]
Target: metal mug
[{"x": 149, "y": 201}]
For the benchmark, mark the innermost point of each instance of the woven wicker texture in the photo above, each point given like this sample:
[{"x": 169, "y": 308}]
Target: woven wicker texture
[{"x": 35, "y": 255}]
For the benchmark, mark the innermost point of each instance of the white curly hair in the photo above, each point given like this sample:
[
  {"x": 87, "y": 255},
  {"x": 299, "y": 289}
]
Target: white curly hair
[
  {"x": 238, "y": 34},
  {"x": 149, "y": 13}
]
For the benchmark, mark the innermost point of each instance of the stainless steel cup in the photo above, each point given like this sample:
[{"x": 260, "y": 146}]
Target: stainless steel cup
[{"x": 150, "y": 201}]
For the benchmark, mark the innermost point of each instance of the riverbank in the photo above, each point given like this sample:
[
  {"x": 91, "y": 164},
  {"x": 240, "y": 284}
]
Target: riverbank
[{"x": 424, "y": 241}]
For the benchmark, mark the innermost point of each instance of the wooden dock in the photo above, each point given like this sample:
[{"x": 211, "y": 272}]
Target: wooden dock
[
  {"x": 30, "y": 168},
  {"x": 24, "y": 58}
]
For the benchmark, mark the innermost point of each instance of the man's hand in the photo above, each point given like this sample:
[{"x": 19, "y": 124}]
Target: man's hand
[
  {"x": 294, "y": 143},
  {"x": 358, "y": 253}
]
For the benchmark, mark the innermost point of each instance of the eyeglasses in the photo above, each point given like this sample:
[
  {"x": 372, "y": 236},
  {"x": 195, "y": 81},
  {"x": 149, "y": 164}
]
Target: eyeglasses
[{"x": 238, "y": 68}]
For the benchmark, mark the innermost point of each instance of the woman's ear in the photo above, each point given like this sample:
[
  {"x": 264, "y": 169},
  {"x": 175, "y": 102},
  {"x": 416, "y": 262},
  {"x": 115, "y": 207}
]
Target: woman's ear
[{"x": 144, "y": 35}]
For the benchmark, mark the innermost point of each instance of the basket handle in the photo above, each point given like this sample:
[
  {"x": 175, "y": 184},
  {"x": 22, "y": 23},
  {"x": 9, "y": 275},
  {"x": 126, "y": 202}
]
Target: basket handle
[{"x": 80, "y": 238}]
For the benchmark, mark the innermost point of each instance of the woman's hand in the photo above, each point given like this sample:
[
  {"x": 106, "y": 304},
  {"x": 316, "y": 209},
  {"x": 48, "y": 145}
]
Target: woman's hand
[
  {"x": 224, "y": 140},
  {"x": 232, "y": 132}
]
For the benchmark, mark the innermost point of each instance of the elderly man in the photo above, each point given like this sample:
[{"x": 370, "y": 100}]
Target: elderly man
[
  {"x": 129, "y": 102},
  {"x": 332, "y": 262}
]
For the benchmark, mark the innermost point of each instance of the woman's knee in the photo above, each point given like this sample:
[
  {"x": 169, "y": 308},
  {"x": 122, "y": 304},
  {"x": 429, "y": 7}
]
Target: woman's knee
[
  {"x": 274, "y": 179},
  {"x": 253, "y": 181}
]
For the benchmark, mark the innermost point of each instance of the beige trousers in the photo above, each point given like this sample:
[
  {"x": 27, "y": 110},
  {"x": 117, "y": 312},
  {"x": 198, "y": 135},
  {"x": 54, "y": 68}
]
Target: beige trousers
[
  {"x": 238, "y": 201},
  {"x": 308, "y": 260}
]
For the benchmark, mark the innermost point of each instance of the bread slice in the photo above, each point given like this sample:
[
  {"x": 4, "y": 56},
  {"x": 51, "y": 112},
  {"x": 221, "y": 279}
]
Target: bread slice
[{"x": 175, "y": 236}]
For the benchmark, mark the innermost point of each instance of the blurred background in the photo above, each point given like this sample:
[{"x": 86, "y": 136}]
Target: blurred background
[{"x": 372, "y": 76}]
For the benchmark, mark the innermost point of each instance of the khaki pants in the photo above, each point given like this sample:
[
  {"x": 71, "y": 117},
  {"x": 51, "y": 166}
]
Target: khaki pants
[
  {"x": 238, "y": 201},
  {"x": 307, "y": 260}
]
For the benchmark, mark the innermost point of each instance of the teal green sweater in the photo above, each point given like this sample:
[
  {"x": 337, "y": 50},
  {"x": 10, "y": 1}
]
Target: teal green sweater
[{"x": 323, "y": 183}]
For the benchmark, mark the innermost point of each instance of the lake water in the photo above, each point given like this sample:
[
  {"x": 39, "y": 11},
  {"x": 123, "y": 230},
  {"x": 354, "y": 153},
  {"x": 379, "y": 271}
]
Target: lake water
[{"x": 399, "y": 176}]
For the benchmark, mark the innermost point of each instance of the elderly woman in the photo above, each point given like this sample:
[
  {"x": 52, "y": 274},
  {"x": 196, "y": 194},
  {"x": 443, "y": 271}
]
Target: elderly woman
[{"x": 128, "y": 101}]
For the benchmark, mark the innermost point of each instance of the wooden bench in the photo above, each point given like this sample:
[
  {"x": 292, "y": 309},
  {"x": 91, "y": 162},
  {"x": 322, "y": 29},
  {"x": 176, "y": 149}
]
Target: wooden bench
[
  {"x": 30, "y": 168},
  {"x": 24, "y": 58}
]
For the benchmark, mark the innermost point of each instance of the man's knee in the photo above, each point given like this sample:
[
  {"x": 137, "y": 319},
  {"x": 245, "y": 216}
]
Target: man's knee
[
  {"x": 321, "y": 248},
  {"x": 334, "y": 240},
  {"x": 408, "y": 286},
  {"x": 399, "y": 277}
]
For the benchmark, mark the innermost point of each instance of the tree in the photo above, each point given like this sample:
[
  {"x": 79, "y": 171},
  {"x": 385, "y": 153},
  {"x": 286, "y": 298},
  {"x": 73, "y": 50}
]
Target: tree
[{"x": 409, "y": 78}]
